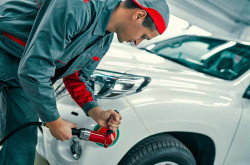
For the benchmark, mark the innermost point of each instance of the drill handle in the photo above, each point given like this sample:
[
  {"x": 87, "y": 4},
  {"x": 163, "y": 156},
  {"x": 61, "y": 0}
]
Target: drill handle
[
  {"x": 109, "y": 131},
  {"x": 76, "y": 132}
]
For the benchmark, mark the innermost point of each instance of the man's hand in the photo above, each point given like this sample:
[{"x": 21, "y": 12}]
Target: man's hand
[
  {"x": 61, "y": 129},
  {"x": 108, "y": 119}
]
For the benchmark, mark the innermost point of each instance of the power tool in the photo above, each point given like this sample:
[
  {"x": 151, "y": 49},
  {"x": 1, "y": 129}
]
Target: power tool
[{"x": 99, "y": 137}]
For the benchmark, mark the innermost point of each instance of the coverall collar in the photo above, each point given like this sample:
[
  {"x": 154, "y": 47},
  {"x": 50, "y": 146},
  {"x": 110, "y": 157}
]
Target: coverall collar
[{"x": 103, "y": 21}]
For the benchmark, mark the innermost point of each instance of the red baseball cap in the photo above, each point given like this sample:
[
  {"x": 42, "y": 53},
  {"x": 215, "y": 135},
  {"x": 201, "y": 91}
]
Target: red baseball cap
[{"x": 158, "y": 11}]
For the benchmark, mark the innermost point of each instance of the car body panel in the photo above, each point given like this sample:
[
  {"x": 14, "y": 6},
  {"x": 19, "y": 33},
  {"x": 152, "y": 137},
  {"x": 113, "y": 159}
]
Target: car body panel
[
  {"x": 239, "y": 151},
  {"x": 198, "y": 105},
  {"x": 131, "y": 132},
  {"x": 245, "y": 79},
  {"x": 123, "y": 58}
]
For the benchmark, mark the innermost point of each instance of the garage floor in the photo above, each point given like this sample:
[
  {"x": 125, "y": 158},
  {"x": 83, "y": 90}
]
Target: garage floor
[{"x": 39, "y": 160}]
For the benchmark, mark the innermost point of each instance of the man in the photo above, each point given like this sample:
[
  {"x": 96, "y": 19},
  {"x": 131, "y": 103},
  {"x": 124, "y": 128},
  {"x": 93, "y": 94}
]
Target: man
[{"x": 44, "y": 40}]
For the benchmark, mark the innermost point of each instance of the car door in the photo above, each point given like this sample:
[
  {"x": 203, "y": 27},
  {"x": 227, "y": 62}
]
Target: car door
[{"x": 239, "y": 151}]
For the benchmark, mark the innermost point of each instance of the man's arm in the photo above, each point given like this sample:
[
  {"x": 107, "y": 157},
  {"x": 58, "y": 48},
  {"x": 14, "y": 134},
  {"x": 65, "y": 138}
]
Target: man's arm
[
  {"x": 56, "y": 23},
  {"x": 84, "y": 96}
]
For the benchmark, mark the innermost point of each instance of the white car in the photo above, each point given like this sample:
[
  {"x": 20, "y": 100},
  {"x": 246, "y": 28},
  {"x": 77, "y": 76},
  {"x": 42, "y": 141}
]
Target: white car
[{"x": 184, "y": 101}]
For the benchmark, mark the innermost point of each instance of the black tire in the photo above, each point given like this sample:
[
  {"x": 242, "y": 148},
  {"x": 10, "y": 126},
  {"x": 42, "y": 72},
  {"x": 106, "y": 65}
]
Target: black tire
[{"x": 158, "y": 149}]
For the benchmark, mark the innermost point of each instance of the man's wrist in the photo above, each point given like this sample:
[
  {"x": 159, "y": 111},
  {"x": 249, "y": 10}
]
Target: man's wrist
[
  {"x": 95, "y": 113},
  {"x": 55, "y": 122}
]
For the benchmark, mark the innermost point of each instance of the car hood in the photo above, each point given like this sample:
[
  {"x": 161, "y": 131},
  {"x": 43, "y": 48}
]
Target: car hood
[
  {"x": 123, "y": 58},
  {"x": 128, "y": 59}
]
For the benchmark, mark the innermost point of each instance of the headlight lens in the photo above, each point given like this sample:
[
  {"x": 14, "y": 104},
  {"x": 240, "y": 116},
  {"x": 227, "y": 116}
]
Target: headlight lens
[{"x": 114, "y": 85}]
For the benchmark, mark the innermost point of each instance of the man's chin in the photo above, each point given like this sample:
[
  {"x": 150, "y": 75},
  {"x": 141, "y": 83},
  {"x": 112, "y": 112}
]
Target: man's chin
[{"x": 119, "y": 39}]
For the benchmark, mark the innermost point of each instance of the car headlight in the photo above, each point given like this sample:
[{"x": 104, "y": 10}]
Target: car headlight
[{"x": 114, "y": 85}]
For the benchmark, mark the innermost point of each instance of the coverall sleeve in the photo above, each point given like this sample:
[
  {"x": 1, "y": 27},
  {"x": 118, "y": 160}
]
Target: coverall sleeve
[
  {"x": 56, "y": 23},
  {"x": 80, "y": 91}
]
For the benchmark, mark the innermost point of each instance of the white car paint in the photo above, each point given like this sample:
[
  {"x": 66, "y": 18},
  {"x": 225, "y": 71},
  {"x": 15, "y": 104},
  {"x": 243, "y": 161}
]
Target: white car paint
[{"x": 177, "y": 99}]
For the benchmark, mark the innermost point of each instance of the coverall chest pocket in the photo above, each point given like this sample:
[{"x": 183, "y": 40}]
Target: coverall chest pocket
[{"x": 92, "y": 63}]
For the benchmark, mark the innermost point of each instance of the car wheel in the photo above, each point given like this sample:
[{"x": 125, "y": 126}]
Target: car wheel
[{"x": 161, "y": 149}]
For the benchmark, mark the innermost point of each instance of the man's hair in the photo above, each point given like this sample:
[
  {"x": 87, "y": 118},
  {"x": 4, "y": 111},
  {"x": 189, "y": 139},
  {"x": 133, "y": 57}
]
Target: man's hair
[{"x": 148, "y": 22}]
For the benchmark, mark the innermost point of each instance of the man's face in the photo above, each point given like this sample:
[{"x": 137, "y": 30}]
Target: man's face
[{"x": 133, "y": 31}]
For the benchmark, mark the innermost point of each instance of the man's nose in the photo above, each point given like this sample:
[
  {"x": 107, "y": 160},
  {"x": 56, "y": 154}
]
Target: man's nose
[{"x": 138, "y": 41}]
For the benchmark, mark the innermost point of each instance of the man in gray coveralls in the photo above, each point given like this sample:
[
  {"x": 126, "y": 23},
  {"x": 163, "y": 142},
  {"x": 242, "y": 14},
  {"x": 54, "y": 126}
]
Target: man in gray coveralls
[{"x": 42, "y": 41}]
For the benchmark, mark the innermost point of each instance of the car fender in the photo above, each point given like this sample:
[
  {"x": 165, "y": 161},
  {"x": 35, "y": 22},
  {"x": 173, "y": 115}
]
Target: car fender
[
  {"x": 216, "y": 119},
  {"x": 131, "y": 130}
]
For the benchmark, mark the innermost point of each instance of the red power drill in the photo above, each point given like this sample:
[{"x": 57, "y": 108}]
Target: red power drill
[
  {"x": 105, "y": 138},
  {"x": 85, "y": 134}
]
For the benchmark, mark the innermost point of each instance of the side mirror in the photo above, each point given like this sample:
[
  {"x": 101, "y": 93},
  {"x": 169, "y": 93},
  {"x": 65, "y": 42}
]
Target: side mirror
[{"x": 247, "y": 93}]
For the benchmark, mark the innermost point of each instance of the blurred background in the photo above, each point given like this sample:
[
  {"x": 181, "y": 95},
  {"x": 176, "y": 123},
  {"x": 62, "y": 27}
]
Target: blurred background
[{"x": 228, "y": 19}]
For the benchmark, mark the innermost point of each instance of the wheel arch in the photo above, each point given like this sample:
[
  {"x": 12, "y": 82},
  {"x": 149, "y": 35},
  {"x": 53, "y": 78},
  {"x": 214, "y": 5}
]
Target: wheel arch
[{"x": 201, "y": 146}]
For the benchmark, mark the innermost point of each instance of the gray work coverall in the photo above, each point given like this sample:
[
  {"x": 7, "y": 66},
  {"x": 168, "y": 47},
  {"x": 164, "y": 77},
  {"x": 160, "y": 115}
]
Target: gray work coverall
[{"x": 40, "y": 42}]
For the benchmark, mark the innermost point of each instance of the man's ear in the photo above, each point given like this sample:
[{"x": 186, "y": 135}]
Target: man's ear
[{"x": 139, "y": 15}]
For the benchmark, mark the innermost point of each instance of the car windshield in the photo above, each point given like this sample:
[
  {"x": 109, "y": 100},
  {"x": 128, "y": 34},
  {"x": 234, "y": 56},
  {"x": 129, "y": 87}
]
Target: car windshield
[{"x": 219, "y": 58}]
